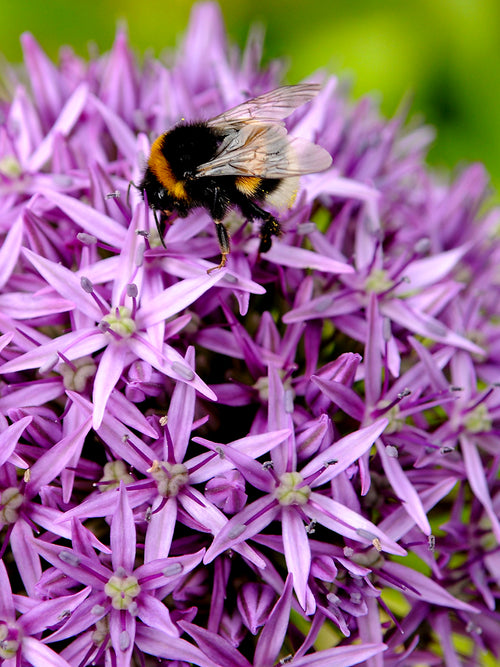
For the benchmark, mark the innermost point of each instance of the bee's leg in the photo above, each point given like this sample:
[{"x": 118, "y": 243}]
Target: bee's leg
[
  {"x": 223, "y": 238},
  {"x": 218, "y": 208},
  {"x": 269, "y": 228},
  {"x": 160, "y": 226}
]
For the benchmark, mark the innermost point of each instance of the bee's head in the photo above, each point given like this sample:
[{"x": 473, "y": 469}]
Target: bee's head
[
  {"x": 160, "y": 199},
  {"x": 157, "y": 195}
]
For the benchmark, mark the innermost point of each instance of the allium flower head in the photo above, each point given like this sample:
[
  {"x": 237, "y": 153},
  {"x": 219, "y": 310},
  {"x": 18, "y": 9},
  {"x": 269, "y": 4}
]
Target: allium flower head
[{"x": 290, "y": 459}]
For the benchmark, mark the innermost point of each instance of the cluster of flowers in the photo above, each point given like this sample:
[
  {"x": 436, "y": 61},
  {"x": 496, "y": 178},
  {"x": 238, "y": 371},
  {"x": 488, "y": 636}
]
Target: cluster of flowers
[{"x": 294, "y": 458}]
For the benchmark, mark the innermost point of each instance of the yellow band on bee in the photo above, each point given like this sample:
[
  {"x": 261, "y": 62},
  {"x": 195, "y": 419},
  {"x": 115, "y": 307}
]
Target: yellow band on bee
[{"x": 163, "y": 172}]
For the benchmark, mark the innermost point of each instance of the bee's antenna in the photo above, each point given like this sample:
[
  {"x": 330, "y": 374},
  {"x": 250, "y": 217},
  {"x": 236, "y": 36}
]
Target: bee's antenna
[{"x": 130, "y": 184}]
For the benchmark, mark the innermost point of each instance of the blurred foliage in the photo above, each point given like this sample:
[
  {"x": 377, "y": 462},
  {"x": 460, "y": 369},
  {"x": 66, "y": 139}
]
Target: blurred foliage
[{"x": 444, "y": 53}]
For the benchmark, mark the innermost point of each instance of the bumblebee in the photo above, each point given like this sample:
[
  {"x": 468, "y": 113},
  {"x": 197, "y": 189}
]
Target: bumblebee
[{"x": 242, "y": 158}]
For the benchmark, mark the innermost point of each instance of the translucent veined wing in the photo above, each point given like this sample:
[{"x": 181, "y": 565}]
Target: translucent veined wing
[
  {"x": 266, "y": 151},
  {"x": 270, "y": 107}
]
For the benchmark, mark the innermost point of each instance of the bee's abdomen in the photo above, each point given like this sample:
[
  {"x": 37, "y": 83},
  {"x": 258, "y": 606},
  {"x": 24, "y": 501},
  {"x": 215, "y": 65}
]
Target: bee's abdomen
[{"x": 248, "y": 185}]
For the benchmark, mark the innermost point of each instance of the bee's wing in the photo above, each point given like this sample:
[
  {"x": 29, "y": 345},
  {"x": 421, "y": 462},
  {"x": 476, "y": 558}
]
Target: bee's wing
[
  {"x": 270, "y": 107},
  {"x": 266, "y": 151}
]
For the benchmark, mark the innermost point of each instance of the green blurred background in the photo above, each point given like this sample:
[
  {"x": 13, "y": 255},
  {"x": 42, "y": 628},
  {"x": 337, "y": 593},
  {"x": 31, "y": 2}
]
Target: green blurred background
[{"x": 445, "y": 53}]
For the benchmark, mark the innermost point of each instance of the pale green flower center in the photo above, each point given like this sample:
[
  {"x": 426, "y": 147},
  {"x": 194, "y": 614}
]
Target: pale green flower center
[
  {"x": 101, "y": 632},
  {"x": 75, "y": 377},
  {"x": 154, "y": 238},
  {"x": 262, "y": 386},
  {"x": 378, "y": 281},
  {"x": 8, "y": 647},
  {"x": 292, "y": 490},
  {"x": 479, "y": 419},
  {"x": 11, "y": 500},
  {"x": 113, "y": 473},
  {"x": 122, "y": 590},
  {"x": 169, "y": 477},
  {"x": 396, "y": 422},
  {"x": 120, "y": 321},
  {"x": 9, "y": 166}
]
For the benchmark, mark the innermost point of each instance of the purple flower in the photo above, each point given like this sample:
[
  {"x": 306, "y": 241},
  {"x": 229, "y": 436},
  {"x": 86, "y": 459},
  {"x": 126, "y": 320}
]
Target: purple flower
[
  {"x": 19, "y": 635},
  {"x": 291, "y": 500},
  {"x": 294, "y": 458},
  {"x": 121, "y": 595},
  {"x": 126, "y": 330}
]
